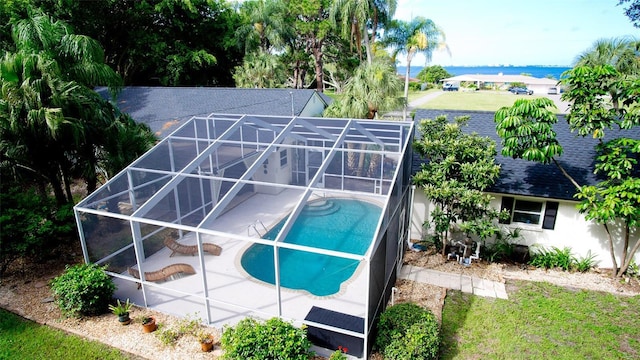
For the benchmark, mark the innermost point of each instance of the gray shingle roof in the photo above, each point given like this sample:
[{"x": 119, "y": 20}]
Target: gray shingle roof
[
  {"x": 521, "y": 177},
  {"x": 162, "y": 108}
]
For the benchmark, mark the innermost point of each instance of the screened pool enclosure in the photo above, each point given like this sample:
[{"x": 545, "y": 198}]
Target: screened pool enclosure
[{"x": 241, "y": 215}]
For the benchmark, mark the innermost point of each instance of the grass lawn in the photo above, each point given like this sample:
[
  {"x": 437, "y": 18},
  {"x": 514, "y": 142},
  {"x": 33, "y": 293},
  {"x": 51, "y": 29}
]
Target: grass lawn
[
  {"x": 476, "y": 100},
  {"x": 541, "y": 321},
  {"x": 416, "y": 94},
  {"x": 24, "y": 339}
]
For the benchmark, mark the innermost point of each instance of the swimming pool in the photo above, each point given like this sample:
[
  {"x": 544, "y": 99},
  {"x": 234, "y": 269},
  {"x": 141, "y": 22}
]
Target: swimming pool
[{"x": 344, "y": 225}]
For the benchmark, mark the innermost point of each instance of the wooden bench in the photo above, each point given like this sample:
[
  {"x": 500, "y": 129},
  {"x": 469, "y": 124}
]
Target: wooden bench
[
  {"x": 166, "y": 273},
  {"x": 178, "y": 248}
]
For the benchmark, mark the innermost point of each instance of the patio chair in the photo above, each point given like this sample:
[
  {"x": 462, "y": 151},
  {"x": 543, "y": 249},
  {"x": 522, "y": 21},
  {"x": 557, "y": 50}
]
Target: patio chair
[
  {"x": 170, "y": 272},
  {"x": 177, "y": 248}
]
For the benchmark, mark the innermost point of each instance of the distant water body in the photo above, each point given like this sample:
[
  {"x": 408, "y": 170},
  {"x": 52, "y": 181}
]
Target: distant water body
[{"x": 535, "y": 71}]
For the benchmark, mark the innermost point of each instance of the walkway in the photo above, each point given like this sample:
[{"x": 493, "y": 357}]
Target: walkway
[
  {"x": 397, "y": 114},
  {"x": 464, "y": 283}
]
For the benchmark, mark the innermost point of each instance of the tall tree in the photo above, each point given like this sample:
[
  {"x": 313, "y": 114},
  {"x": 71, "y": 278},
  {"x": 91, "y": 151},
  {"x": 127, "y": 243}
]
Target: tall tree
[
  {"x": 419, "y": 35},
  {"x": 260, "y": 70},
  {"x": 622, "y": 53},
  {"x": 264, "y": 26},
  {"x": 52, "y": 123},
  {"x": 312, "y": 27},
  {"x": 356, "y": 17},
  {"x": 167, "y": 42},
  {"x": 458, "y": 168},
  {"x": 373, "y": 87},
  {"x": 527, "y": 132},
  {"x": 633, "y": 11},
  {"x": 433, "y": 74}
]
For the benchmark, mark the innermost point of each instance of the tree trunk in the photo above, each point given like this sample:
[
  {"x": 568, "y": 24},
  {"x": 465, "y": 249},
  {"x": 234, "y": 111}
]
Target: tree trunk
[
  {"x": 406, "y": 85},
  {"x": 351, "y": 159},
  {"x": 317, "y": 55},
  {"x": 612, "y": 252},
  {"x": 625, "y": 246},
  {"x": 632, "y": 252},
  {"x": 361, "y": 158},
  {"x": 58, "y": 192},
  {"x": 367, "y": 46}
]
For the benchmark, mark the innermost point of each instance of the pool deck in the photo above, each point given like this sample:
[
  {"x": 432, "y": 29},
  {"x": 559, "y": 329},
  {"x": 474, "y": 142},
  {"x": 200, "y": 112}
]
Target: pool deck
[{"x": 236, "y": 294}]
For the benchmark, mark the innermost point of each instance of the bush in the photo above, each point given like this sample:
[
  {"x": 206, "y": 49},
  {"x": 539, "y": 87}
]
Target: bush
[
  {"x": 83, "y": 289},
  {"x": 273, "y": 339},
  {"x": 554, "y": 258},
  {"x": 415, "y": 86},
  {"x": 585, "y": 264},
  {"x": 30, "y": 225},
  {"x": 189, "y": 325},
  {"x": 421, "y": 341},
  {"x": 504, "y": 246},
  {"x": 397, "y": 319}
]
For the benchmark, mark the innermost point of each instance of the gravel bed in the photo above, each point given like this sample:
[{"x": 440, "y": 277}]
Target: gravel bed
[{"x": 27, "y": 293}]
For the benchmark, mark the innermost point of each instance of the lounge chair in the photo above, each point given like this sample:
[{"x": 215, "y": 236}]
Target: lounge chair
[
  {"x": 166, "y": 273},
  {"x": 176, "y": 247}
]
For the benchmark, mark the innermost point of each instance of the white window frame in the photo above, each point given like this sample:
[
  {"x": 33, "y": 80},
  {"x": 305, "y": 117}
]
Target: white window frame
[
  {"x": 285, "y": 158},
  {"x": 540, "y": 214}
]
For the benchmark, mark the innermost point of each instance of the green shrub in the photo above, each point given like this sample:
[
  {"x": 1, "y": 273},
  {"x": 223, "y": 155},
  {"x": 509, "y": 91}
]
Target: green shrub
[
  {"x": 83, "y": 289},
  {"x": 554, "y": 258},
  {"x": 633, "y": 269},
  {"x": 421, "y": 341},
  {"x": 338, "y": 355},
  {"x": 584, "y": 264},
  {"x": 504, "y": 246},
  {"x": 274, "y": 339},
  {"x": 189, "y": 325},
  {"x": 31, "y": 225},
  {"x": 397, "y": 319},
  {"x": 415, "y": 86}
]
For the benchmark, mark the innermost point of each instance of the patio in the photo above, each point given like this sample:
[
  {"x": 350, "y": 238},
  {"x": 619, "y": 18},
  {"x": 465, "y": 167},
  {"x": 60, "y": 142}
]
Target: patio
[{"x": 227, "y": 180}]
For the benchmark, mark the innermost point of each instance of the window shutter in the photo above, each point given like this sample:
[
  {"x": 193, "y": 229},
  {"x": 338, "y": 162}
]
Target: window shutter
[
  {"x": 507, "y": 204},
  {"x": 550, "y": 213}
]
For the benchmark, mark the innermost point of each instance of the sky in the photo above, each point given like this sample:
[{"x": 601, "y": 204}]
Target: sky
[{"x": 526, "y": 32}]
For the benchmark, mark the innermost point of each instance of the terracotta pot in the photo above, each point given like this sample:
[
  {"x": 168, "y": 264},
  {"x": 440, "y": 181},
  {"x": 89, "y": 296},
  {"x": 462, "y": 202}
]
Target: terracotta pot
[
  {"x": 207, "y": 345},
  {"x": 150, "y": 326}
]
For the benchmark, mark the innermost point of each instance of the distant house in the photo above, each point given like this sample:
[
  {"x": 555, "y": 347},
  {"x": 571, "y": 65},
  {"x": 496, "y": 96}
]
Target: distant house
[
  {"x": 539, "y": 197},
  {"x": 163, "y": 108},
  {"x": 538, "y": 85}
]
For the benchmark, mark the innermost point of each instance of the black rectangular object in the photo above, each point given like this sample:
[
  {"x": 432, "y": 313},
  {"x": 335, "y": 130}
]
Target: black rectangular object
[{"x": 332, "y": 340}]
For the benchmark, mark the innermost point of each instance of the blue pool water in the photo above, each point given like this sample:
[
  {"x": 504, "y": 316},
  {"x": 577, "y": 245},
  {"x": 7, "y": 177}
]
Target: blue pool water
[{"x": 344, "y": 225}]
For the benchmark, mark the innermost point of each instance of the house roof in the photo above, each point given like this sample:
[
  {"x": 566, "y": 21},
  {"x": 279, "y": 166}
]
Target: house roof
[
  {"x": 529, "y": 80},
  {"x": 527, "y": 178},
  {"x": 163, "y": 108}
]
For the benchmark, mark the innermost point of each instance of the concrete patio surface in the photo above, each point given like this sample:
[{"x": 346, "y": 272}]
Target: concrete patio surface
[{"x": 464, "y": 283}]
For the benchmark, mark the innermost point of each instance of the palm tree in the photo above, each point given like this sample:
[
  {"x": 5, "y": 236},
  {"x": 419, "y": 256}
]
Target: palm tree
[
  {"x": 373, "y": 87},
  {"x": 419, "y": 35},
  {"x": 264, "y": 25},
  {"x": 259, "y": 70},
  {"x": 51, "y": 121},
  {"x": 355, "y": 16},
  {"x": 622, "y": 53}
]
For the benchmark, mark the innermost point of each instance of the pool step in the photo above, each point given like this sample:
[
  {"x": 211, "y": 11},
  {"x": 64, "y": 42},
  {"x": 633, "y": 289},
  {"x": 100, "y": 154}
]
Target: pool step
[{"x": 320, "y": 208}]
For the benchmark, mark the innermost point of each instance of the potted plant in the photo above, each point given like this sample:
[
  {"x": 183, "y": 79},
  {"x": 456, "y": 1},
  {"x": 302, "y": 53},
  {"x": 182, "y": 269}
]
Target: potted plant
[
  {"x": 149, "y": 324},
  {"x": 206, "y": 341},
  {"x": 122, "y": 311}
]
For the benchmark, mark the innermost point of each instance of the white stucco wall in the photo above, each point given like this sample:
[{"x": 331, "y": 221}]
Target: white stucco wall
[{"x": 571, "y": 230}]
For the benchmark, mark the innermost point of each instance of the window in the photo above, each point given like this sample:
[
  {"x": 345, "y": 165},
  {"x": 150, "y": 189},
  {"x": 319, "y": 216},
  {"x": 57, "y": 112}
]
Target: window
[
  {"x": 531, "y": 212},
  {"x": 283, "y": 157},
  {"x": 528, "y": 212}
]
